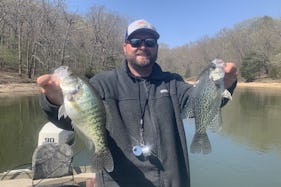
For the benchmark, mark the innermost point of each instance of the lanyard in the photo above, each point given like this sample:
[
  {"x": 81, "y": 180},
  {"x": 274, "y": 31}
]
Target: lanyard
[
  {"x": 142, "y": 149},
  {"x": 142, "y": 122},
  {"x": 142, "y": 109}
]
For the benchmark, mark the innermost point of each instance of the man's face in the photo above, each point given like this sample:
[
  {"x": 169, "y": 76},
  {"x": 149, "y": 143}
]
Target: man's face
[{"x": 144, "y": 53}]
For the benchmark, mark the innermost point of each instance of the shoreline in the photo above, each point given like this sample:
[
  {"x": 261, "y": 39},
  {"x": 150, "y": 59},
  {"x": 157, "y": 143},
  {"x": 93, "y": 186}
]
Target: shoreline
[
  {"x": 269, "y": 84},
  {"x": 19, "y": 89},
  {"x": 32, "y": 88},
  {"x": 259, "y": 84}
]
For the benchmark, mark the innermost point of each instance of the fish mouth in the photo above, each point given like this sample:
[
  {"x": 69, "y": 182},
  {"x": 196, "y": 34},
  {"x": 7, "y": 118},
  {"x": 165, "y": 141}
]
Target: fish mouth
[
  {"x": 62, "y": 72},
  {"x": 218, "y": 62},
  {"x": 61, "y": 69}
]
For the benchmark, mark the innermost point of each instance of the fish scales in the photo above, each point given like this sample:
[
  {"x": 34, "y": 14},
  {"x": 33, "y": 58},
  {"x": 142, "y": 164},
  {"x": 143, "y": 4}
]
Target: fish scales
[
  {"x": 86, "y": 110},
  {"x": 205, "y": 105}
]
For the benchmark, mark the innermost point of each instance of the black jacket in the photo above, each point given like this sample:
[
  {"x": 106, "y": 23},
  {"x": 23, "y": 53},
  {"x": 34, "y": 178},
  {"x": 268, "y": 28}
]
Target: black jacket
[{"x": 158, "y": 100}]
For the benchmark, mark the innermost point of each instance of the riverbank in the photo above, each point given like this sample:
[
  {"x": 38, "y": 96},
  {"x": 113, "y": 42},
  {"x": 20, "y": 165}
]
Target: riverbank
[
  {"x": 260, "y": 84},
  {"x": 11, "y": 83},
  {"x": 19, "y": 89},
  {"x": 32, "y": 88}
]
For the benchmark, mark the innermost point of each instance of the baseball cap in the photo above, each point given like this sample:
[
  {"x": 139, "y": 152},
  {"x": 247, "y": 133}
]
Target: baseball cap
[{"x": 141, "y": 25}]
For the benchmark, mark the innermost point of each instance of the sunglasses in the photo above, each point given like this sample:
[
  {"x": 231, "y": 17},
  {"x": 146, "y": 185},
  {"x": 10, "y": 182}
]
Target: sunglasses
[{"x": 148, "y": 42}]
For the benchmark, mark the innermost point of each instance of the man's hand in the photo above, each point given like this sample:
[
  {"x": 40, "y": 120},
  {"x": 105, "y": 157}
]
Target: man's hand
[
  {"x": 91, "y": 182},
  {"x": 50, "y": 86},
  {"x": 231, "y": 73}
]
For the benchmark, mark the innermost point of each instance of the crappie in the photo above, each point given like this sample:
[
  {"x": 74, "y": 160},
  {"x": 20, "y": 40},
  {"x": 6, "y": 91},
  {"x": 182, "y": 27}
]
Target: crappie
[
  {"x": 85, "y": 108},
  {"x": 204, "y": 105}
]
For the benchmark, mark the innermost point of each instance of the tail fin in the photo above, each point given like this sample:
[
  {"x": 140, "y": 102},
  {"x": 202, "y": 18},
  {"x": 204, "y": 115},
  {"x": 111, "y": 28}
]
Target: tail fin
[
  {"x": 200, "y": 143},
  {"x": 102, "y": 160}
]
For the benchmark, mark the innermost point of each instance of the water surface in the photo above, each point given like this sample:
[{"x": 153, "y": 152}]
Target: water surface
[
  {"x": 20, "y": 121},
  {"x": 245, "y": 153}
]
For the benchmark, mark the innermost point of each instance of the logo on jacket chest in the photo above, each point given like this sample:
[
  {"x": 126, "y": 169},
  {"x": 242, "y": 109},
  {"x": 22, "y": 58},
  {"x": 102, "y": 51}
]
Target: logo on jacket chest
[{"x": 163, "y": 91}]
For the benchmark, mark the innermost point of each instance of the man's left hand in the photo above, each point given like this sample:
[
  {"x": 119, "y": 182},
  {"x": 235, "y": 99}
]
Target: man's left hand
[{"x": 231, "y": 73}]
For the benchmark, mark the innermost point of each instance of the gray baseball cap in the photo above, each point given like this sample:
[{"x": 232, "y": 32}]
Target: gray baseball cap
[{"x": 141, "y": 25}]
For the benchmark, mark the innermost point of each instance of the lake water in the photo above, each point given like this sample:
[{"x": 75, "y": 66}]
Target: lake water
[
  {"x": 20, "y": 121},
  {"x": 245, "y": 153}
]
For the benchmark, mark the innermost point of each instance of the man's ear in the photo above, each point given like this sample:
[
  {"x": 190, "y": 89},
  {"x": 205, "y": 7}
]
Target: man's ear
[{"x": 124, "y": 48}]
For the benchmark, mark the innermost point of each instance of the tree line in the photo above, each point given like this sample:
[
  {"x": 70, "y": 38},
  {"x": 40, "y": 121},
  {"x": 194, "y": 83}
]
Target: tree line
[
  {"x": 254, "y": 44},
  {"x": 37, "y": 36}
]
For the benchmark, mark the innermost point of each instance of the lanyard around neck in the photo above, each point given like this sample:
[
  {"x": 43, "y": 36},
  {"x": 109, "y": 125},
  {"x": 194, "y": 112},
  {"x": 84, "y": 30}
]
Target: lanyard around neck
[{"x": 142, "y": 110}]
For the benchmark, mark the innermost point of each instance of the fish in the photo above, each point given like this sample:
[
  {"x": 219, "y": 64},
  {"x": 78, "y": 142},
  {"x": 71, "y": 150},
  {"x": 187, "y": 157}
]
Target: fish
[
  {"x": 204, "y": 105},
  {"x": 85, "y": 108}
]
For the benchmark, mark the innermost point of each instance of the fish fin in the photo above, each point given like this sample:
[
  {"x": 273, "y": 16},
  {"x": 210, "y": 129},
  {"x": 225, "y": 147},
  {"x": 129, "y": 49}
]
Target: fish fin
[
  {"x": 187, "y": 113},
  {"x": 102, "y": 160},
  {"x": 62, "y": 112},
  {"x": 200, "y": 144},
  {"x": 88, "y": 143},
  {"x": 226, "y": 94},
  {"x": 108, "y": 161},
  {"x": 78, "y": 143}
]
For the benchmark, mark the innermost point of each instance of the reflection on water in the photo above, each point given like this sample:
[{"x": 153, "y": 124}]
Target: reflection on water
[
  {"x": 254, "y": 118},
  {"x": 21, "y": 120}
]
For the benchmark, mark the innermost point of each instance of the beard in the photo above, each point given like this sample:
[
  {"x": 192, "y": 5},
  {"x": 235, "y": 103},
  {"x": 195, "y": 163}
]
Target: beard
[{"x": 142, "y": 59}]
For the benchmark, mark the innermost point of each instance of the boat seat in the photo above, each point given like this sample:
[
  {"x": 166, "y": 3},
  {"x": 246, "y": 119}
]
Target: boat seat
[{"x": 52, "y": 160}]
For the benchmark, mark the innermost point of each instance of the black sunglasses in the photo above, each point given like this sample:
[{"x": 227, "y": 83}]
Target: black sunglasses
[{"x": 148, "y": 42}]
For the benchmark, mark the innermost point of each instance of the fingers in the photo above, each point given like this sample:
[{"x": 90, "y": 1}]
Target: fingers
[
  {"x": 91, "y": 182},
  {"x": 230, "y": 67},
  {"x": 48, "y": 81},
  {"x": 230, "y": 70},
  {"x": 43, "y": 81},
  {"x": 50, "y": 86},
  {"x": 231, "y": 74}
]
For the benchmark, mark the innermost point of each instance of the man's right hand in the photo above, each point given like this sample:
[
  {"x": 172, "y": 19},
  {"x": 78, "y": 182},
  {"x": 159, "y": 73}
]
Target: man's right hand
[{"x": 50, "y": 86}]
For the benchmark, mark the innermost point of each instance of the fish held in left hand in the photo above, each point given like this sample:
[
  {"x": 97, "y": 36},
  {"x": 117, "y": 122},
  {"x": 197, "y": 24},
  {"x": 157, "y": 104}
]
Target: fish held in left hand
[
  {"x": 85, "y": 108},
  {"x": 204, "y": 105}
]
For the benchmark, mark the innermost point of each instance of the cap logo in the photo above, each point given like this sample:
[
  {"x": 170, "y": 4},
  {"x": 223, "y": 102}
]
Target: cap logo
[
  {"x": 140, "y": 23},
  {"x": 143, "y": 24}
]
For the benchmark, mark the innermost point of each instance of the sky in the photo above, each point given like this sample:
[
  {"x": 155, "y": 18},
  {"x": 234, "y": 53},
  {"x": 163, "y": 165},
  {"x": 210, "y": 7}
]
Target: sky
[{"x": 180, "y": 22}]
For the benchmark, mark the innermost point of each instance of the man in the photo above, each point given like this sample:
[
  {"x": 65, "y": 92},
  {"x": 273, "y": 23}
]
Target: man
[{"x": 145, "y": 130}]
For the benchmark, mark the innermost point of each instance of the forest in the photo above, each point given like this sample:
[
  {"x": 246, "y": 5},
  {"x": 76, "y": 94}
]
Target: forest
[{"x": 37, "y": 36}]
